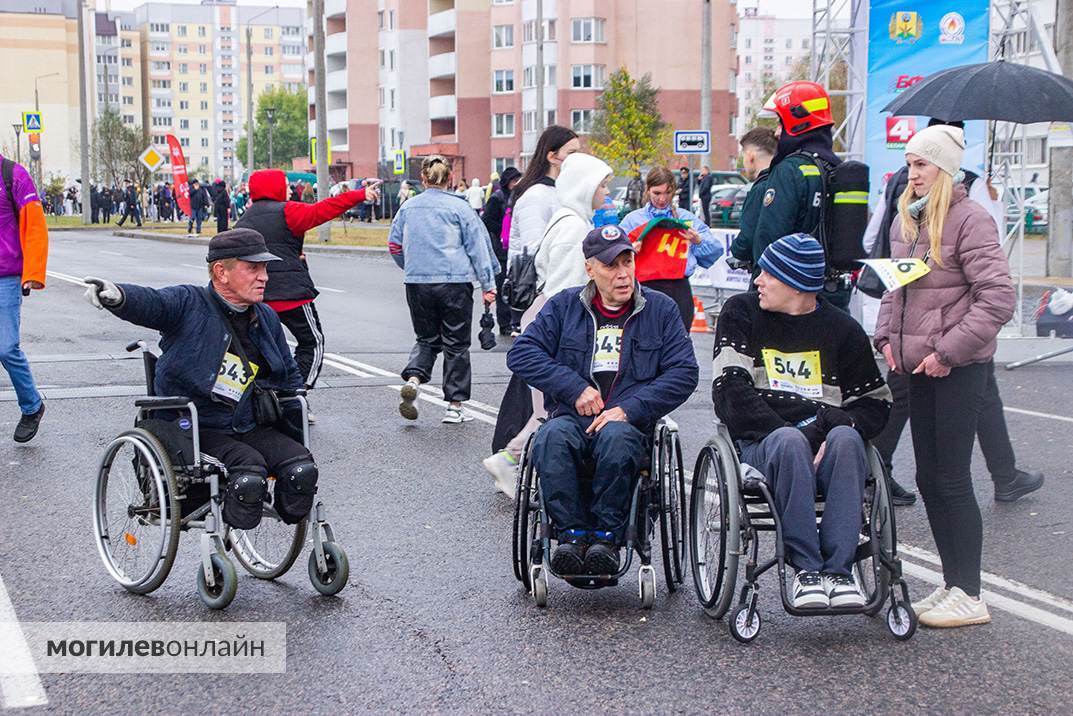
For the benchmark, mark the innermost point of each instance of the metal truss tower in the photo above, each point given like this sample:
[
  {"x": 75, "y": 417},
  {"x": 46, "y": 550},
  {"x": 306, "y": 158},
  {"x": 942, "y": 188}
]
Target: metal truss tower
[{"x": 840, "y": 49}]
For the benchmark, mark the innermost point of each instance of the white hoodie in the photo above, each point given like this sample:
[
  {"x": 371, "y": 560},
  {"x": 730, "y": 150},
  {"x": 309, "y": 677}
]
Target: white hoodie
[{"x": 560, "y": 262}]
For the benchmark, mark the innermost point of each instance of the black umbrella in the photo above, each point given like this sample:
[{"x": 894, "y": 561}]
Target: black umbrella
[{"x": 998, "y": 91}]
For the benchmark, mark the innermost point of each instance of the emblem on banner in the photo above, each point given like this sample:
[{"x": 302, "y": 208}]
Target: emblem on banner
[
  {"x": 906, "y": 27},
  {"x": 952, "y": 29}
]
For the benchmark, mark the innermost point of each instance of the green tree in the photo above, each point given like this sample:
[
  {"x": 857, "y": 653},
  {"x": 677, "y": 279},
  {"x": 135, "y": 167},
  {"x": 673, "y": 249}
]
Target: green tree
[
  {"x": 289, "y": 132},
  {"x": 115, "y": 148},
  {"x": 628, "y": 131}
]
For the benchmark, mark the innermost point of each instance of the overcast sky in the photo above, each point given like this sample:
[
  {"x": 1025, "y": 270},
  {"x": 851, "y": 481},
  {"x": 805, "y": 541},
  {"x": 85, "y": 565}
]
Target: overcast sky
[{"x": 779, "y": 8}]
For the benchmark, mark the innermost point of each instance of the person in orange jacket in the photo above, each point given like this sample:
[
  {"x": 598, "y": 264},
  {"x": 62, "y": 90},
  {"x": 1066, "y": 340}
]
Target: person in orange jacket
[{"x": 23, "y": 255}]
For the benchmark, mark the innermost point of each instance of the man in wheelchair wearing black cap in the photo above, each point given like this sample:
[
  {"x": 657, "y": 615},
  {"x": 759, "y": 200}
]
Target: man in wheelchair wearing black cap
[
  {"x": 225, "y": 351},
  {"x": 611, "y": 358}
]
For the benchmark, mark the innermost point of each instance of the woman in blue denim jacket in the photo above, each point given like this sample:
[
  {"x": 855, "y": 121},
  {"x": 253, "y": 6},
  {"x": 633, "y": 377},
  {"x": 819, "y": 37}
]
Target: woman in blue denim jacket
[{"x": 443, "y": 248}]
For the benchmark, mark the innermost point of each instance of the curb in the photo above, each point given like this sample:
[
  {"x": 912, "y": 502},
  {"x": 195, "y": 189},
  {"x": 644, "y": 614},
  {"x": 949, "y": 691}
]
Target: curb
[{"x": 309, "y": 247}]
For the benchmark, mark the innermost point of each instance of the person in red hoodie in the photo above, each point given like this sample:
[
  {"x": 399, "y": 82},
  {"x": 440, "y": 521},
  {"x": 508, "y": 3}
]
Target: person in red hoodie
[{"x": 290, "y": 290}]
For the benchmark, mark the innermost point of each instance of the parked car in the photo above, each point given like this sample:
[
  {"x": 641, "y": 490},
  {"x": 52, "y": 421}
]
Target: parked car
[
  {"x": 726, "y": 205},
  {"x": 1036, "y": 212}
]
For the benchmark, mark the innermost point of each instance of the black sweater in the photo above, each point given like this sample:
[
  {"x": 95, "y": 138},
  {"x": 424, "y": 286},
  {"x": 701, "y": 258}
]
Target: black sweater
[{"x": 764, "y": 370}]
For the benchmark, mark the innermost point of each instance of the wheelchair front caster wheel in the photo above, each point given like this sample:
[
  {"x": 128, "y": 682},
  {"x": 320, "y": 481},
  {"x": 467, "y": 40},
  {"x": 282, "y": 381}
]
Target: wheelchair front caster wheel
[
  {"x": 220, "y": 594},
  {"x": 646, "y": 586},
  {"x": 539, "y": 580},
  {"x": 331, "y": 581},
  {"x": 741, "y": 627},
  {"x": 901, "y": 620}
]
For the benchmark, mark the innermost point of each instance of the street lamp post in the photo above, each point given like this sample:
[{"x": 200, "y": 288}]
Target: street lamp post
[
  {"x": 270, "y": 119},
  {"x": 18, "y": 145},
  {"x": 249, "y": 87},
  {"x": 107, "y": 89}
]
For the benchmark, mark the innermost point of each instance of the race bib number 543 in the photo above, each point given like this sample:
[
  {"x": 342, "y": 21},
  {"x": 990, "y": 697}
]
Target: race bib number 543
[
  {"x": 232, "y": 379},
  {"x": 794, "y": 372}
]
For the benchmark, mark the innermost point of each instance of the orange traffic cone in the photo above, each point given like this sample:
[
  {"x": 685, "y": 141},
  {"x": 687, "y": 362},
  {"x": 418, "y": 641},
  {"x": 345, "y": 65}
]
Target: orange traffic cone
[{"x": 700, "y": 322}]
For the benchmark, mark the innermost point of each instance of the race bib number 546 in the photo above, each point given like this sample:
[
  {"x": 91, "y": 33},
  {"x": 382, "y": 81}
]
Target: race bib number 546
[{"x": 794, "y": 372}]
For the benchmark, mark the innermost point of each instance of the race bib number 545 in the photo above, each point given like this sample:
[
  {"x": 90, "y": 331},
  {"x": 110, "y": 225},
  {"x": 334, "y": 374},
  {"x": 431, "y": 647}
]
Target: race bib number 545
[{"x": 794, "y": 372}]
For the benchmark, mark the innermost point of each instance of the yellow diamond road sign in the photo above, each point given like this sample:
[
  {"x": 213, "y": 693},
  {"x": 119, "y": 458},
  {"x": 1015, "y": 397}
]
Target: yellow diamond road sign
[{"x": 151, "y": 159}]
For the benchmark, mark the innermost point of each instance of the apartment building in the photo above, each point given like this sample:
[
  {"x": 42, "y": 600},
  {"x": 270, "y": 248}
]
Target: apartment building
[
  {"x": 117, "y": 64},
  {"x": 457, "y": 77},
  {"x": 770, "y": 49},
  {"x": 194, "y": 73}
]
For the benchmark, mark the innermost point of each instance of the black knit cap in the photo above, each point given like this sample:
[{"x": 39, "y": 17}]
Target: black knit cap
[{"x": 244, "y": 244}]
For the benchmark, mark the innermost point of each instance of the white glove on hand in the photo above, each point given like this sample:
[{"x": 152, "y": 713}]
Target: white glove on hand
[{"x": 102, "y": 292}]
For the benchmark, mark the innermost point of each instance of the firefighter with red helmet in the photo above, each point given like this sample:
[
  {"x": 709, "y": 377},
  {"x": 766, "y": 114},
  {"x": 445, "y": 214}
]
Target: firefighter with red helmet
[{"x": 790, "y": 199}]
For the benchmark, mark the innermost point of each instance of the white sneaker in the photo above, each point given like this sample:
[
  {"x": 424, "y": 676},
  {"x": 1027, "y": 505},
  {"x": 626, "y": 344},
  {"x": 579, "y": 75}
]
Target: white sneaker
[
  {"x": 956, "y": 610},
  {"x": 311, "y": 419},
  {"x": 842, "y": 591},
  {"x": 808, "y": 591},
  {"x": 454, "y": 415},
  {"x": 504, "y": 468},
  {"x": 407, "y": 402},
  {"x": 929, "y": 602}
]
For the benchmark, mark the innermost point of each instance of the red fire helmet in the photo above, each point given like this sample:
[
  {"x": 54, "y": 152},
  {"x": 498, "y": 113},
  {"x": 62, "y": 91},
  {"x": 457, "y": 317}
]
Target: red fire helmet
[{"x": 801, "y": 107}]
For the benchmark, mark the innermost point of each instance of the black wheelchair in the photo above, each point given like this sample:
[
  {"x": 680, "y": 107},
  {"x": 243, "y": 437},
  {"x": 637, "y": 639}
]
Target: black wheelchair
[
  {"x": 730, "y": 505},
  {"x": 659, "y": 496},
  {"x": 153, "y": 483}
]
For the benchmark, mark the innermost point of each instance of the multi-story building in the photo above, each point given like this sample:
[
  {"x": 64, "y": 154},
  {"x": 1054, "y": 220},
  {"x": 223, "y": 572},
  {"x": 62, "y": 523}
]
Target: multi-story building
[
  {"x": 117, "y": 63},
  {"x": 194, "y": 73},
  {"x": 457, "y": 77},
  {"x": 39, "y": 50},
  {"x": 771, "y": 50}
]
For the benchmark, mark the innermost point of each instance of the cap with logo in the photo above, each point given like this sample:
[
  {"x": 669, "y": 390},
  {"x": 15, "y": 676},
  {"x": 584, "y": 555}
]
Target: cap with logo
[
  {"x": 605, "y": 243},
  {"x": 244, "y": 244}
]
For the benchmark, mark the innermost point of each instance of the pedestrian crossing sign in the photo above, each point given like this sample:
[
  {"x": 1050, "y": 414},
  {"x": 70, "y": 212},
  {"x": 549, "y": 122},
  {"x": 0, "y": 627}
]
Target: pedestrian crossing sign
[
  {"x": 400, "y": 161},
  {"x": 31, "y": 122},
  {"x": 151, "y": 159}
]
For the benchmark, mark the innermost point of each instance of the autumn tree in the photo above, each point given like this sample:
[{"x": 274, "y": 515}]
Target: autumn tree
[
  {"x": 290, "y": 130},
  {"x": 628, "y": 130}
]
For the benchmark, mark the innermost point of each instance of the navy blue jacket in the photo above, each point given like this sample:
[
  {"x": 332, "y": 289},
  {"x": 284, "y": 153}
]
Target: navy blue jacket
[
  {"x": 658, "y": 369},
  {"x": 194, "y": 336}
]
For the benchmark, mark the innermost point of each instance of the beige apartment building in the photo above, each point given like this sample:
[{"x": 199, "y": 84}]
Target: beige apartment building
[{"x": 457, "y": 77}]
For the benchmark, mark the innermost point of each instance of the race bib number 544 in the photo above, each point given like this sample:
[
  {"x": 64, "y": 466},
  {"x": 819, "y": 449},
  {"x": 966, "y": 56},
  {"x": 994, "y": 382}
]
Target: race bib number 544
[{"x": 794, "y": 372}]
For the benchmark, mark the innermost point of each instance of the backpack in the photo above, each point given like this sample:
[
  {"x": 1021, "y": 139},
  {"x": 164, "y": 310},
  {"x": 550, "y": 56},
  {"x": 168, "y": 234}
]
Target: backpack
[
  {"x": 843, "y": 212},
  {"x": 520, "y": 287},
  {"x": 7, "y": 171}
]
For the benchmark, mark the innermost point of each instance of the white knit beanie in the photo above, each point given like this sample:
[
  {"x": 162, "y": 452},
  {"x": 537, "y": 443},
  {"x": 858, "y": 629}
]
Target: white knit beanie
[{"x": 941, "y": 144}]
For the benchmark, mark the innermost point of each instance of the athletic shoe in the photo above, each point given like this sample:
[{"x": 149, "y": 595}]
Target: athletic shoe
[
  {"x": 900, "y": 496},
  {"x": 408, "y": 404},
  {"x": 454, "y": 415},
  {"x": 1023, "y": 482},
  {"x": 569, "y": 556},
  {"x": 503, "y": 468},
  {"x": 956, "y": 610},
  {"x": 842, "y": 591},
  {"x": 602, "y": 557},
  {"x": 929, "y": 602},
  {"x": 28, "y": 425},
  {"x": 808, "y": 591},
  {"x": 311, "y": 419}
]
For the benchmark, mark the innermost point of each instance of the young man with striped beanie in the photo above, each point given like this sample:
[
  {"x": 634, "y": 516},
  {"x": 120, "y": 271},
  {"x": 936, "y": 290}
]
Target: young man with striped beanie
[{"x": 796, "y": 383}]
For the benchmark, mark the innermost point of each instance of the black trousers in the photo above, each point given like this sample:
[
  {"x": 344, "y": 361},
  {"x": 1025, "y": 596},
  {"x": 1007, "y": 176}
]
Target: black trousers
[
  {"x": 262, "y": 450},
  {"x": 943, "y": 415},
  {"x": 682, "y": 293},
  {"x": 503, "y": 313},
  {"x": 442, "y": 316},
  {"x": 304, "y": 324},
  {"x": 221, "y": 223},
  {"x": 706, "y": 208},
  {"x": 991, "y": 428},
  {"x": 132, "y": 214}
]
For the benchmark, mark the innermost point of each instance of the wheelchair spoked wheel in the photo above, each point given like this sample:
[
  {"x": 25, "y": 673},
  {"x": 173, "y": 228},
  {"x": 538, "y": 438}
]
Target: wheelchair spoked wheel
[
  {"x": 873, "y": 576},
  {"x": 269, "y": 550},
  {"x": 715, "y": 518},
  {"x": 136, "y": 515},
  {"x": 673, "y": 525},
  {"x": 523, "y": 531}
]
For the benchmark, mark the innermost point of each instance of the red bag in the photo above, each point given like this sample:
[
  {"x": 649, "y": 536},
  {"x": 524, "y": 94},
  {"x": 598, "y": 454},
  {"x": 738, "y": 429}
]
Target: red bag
[{"x": 664, "y": 249}]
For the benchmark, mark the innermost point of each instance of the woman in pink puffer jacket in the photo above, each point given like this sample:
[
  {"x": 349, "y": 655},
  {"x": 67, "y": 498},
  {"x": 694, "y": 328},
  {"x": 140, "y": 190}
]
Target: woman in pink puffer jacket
[{"x": 941, "y": 330}]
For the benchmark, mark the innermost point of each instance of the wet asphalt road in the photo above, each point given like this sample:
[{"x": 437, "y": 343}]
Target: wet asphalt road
[{"x": 433, "y": 619}]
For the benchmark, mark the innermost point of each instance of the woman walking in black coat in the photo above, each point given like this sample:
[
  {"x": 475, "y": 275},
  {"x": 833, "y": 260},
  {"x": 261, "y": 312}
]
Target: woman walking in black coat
[{"x": 221, "y": 205}]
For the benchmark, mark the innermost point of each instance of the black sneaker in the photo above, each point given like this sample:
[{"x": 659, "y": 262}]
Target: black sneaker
[
  {"x": 1023, "y": 482},
  {"x": 602, "y": 557},
  {"x": 569, "y": 556},
  {"x": 28, "y": 424},
  {"x": 900, "y": 496}
]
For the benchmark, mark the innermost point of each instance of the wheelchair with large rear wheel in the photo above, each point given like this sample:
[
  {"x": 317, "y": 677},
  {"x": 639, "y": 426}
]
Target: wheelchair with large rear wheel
[
  {"x": 153, "y": 483},
  {"x": 731, "y": 504},
  {"x": 658, "y": 497}
]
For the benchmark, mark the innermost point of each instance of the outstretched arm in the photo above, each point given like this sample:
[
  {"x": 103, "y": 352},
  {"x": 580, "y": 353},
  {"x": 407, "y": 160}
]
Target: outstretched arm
[{"x": 303, "y": 217}]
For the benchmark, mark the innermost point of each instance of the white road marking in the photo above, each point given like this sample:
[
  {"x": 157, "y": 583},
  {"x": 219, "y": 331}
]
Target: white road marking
[
  {"x": 66, "y": 277},
  {"x": 111, "y": 253},
  {"x": 330, "y": 290},
  {"x": 1034, "y": 414},
  {"x": 199, "y": 268},
  {"x": 994, "y": 599},
  {"x": 20, "y": 685}
]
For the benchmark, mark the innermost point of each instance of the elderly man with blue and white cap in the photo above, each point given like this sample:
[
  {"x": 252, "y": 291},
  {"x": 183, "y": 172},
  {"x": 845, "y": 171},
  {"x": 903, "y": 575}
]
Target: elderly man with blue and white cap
[{"x": 796, "y": 383}]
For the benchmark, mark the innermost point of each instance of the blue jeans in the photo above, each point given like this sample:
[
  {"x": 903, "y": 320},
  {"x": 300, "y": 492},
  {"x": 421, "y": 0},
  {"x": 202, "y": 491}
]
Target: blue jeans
[
  {"x": 11, "y": 355},
  {"x": 197, "y": 216},
  {"x": 562, "y": 449},
  {"x": 785, "y": 459}
]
